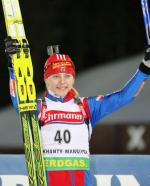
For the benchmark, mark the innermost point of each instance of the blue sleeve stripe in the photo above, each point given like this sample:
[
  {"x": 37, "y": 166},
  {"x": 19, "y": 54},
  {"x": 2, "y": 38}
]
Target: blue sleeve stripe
[{"x": 11, "y": 73}]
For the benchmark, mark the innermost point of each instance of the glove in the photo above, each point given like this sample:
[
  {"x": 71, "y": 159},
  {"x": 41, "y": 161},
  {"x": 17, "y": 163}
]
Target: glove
[
  {"x": 12, "y": 46},
  {"x": 146, "y": 59},
  {"x": 145, "y": 64}
]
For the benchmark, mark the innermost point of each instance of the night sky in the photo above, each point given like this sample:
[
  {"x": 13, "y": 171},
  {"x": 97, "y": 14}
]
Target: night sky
[{"x": 91, "y": 32}]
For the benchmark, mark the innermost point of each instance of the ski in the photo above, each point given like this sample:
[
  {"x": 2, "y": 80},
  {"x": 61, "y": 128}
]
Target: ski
[{"x": 26, "y": 93}]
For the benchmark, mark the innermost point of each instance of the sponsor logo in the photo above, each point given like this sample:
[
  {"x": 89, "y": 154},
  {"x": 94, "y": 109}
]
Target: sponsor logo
[
  {"x": 62, "y": 116},
  {"x": 71, "y": 163},
  {"x": 61, "y": 64}
]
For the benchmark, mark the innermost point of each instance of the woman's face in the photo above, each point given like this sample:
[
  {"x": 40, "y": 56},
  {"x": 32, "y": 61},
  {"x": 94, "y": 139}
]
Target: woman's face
[{"x": 60, "y": 84}]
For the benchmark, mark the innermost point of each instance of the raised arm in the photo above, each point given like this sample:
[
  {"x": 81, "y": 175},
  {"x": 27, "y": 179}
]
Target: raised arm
[{"x": 100, "y": 108}]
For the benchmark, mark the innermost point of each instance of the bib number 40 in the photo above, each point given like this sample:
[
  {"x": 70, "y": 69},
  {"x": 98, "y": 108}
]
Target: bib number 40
[{"x": 62, "y": 136}]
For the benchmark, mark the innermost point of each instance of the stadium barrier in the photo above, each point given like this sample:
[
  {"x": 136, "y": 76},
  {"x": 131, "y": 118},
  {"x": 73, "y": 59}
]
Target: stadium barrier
[{"x": 108, "y": 170}]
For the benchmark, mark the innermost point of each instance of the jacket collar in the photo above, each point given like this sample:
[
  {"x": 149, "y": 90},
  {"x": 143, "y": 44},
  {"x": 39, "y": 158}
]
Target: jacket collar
[{"x": 68, "y": 97}]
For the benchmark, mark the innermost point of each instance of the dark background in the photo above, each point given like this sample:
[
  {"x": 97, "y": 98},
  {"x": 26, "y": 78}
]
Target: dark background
[{"x": 91, "y": 32}]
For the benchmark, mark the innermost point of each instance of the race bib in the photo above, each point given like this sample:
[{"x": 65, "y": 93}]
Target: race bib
[{"x": 65, "y": 146}]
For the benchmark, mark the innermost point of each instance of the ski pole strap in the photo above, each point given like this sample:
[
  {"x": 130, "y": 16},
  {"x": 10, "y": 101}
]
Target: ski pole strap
[{"x": 146, "y": 16}]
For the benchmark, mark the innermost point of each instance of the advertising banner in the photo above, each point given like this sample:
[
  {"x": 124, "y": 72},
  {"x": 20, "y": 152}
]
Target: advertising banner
[{"x": 108, "y": 170}]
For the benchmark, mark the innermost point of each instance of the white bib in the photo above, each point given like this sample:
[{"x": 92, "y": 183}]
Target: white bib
[{"x": 65, "y": 137}]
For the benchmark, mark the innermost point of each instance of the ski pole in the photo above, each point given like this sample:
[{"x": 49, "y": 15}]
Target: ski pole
[{"x": 146, "y": 16}]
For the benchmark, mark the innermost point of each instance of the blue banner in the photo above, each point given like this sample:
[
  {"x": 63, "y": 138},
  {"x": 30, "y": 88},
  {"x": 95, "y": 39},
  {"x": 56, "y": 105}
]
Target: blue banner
[
  {"x": 108, "y": 170},
  {"x": 121, "y": 170}
]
